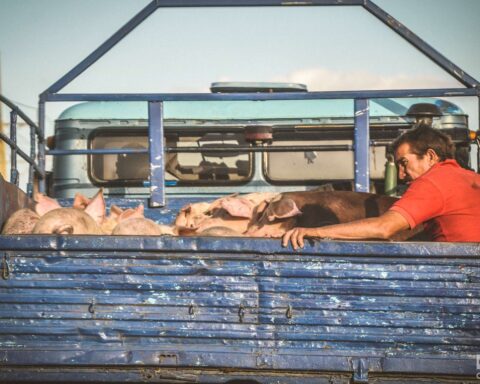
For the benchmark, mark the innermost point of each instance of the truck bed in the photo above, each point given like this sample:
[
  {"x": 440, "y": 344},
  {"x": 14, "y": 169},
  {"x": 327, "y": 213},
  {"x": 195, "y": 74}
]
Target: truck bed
[{"x": 178, "y": 309}]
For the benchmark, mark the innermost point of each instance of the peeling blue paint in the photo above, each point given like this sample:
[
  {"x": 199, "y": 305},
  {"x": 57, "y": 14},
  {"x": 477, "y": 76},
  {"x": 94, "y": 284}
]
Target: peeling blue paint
[{"x": 124, "y": 301}]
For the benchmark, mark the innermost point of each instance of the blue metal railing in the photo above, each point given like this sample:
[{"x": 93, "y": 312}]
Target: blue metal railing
[
  {"x": 36, "y": 138},
  {"x": 156, "y": 150}
]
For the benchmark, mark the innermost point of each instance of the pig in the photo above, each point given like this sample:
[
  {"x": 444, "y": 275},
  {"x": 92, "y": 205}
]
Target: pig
[
  {"x": 112, "y": 220},
  {"x": 190, "y": 215},
  {"x": 70, "y": 221},
  {"x": 220, "y": 231},
  {"x": 21, "y": 222},
  {"x": 316, "y": 209},
  {"x": 143, "y": 227},
  {"x": 108, "y": 223},
  {"x": 67, "y": 221},
  {"x": 234, "y": 212},
  {"x": 45, "y": 204},
  {"x": 133, "y": 222}
]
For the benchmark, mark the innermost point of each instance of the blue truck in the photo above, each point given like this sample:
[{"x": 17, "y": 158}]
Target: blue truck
[{"x": 232, "y": 310}]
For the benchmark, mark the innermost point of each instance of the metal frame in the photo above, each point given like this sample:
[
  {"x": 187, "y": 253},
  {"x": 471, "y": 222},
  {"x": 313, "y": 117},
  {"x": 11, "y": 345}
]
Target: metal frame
[
  {"x": 15, "y": 151},
  {"x": 156, "y": 126}
]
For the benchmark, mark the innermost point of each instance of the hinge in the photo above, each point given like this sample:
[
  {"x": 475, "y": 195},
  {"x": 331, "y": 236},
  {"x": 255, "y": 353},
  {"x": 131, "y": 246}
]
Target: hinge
[
  {"x": 6, "y": 269},
  {"x": 360, "y": 371},
  {"x": 241, "y": 313}
]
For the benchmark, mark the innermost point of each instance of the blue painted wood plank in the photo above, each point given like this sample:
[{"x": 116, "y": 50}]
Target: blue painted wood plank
[
  {"x": 240, "y": 247},
  {"x": 72, "y": 303}
]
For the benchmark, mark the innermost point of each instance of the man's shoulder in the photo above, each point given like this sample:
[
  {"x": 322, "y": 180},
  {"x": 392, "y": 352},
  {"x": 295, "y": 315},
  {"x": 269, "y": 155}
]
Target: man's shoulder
[
  {"x": 445, "y": 170},
  {"x": 448, "y": 175}
]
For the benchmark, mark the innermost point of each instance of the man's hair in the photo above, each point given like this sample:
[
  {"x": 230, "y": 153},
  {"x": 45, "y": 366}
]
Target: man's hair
[{"x": 422, "y": 138}]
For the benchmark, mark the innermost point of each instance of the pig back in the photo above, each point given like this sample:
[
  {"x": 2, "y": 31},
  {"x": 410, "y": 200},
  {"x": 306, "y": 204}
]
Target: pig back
[
  {"x": 67, "y": 221},
  {"x": 21, "y": 222},
  {"x": 336, "y": 207}
]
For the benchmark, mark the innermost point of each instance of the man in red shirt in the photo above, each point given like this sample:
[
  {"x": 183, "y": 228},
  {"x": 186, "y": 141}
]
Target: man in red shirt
[{"x": 442, "y": 195}]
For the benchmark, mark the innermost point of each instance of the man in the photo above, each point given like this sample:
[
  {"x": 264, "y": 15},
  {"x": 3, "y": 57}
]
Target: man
[{"x": 442, "y": 195}]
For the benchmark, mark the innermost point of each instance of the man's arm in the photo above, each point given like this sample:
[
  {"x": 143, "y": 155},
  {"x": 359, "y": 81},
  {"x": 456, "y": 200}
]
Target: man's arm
[{"x": 382, "y": 227}]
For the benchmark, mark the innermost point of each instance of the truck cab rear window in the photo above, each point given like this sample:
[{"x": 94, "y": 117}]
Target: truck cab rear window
[
  {"x": 182, "y": 168},
  {"x": 287, "y": 167}
]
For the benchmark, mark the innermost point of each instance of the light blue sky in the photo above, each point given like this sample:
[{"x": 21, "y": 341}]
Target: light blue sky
[{"x": 186, "y": 49}]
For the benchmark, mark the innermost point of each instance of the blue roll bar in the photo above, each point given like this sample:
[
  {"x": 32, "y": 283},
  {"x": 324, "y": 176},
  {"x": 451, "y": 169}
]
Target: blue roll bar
[
  {"x": 361, "y": 154},
  {"x": 155, "y": 100},
  {"x": 366, "y": 94},
  {"x": 156, "y": 151}
]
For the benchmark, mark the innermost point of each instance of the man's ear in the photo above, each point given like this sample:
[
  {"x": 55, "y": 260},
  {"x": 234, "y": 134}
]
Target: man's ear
[{"x": 432, "y": 156}]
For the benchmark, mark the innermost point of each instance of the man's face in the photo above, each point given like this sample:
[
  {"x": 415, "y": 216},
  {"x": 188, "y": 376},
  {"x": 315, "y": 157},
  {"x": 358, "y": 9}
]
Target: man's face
[{"x": 410, "y": 166}]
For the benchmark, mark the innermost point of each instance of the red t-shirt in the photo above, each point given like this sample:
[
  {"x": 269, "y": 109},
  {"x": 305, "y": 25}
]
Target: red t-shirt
[{"x": 447, "y": 199}]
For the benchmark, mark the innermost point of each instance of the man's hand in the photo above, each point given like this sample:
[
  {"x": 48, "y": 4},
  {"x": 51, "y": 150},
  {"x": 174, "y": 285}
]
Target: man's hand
[{"x": 296, "y": 236}]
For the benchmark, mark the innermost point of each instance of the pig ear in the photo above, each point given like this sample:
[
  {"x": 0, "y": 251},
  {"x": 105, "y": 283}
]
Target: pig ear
[
  {"x": 238, "y": 207},
  {"x": 45, "y": 204},
  {"x": 219, "y": 203},
  {"x": 132, "y": 213},
  {"x": 96, "y": 207},
  {"x": 65, "y": 229},
  {"x": 115, "y": 212},
  {"x": 138, "y": 212},
  {"x": 80, "y": 201},
  {"x": 282, "y": 209},
  {"x": 187, "y": 208},
  {"x": 261, "y": 207}
]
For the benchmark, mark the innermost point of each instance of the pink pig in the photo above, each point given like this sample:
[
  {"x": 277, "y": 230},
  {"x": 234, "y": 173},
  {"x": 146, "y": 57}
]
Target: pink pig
[
  {"x": 20, "y": 222},
  {"x": 133, "y": 222},
  {"x": 227, "y": 216},
  {"x": 69, "y": 221}
]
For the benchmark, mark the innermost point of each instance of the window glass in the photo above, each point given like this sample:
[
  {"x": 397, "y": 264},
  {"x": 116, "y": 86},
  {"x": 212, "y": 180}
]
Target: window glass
[
  {"x": 218, "y": 167},
  {"x": 319, "y": 165}
]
